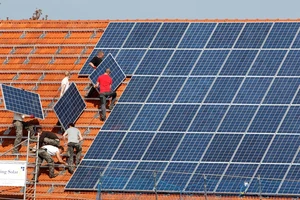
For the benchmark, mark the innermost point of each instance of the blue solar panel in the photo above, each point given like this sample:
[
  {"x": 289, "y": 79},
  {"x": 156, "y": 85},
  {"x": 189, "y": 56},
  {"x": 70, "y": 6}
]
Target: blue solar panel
[
  {"x": 87, "y": 69},
  {"x": 116, "y": 72},
  {"x": 88, "y": 170},
  {"x": 212, "y": 171},
  {"x": 237, "y": 118},
  {"x": 129, "y": 59},
  {"x": 252, "y": 148},
  {"x": 297, "y": 98},
  {"x": 138, "y": 89},
  {"x": 166, "y": 89},
  {"x": 296, "y": 43},
  {"x": 142, "y": 35},
  {"x": 271, "y": 176},
  {"x": 238, "y": 62},
  {"x": 267, "y": 62},
  {"x": 225, "y": 35},
  {"x": 106, "y": 143},
  {"x": 290, "y": 65},
  {"x": 253, "y": 35},
  {"x": 154, "y": 62},
  {"x": 208, "y": 118},
  {"x": 169, "y": 35},
  {"x": 291, "y": 123},
  {"x": 192, "y": 147},
  {"x": 179, "y": 118},
  {"x": 176, "y": 176},
  {"x": 194, "y": 90},
  {"x": 281, "y": 35},
  {"x": 163, "y": 146},
  {"x": 122, "y": 117},
  {"x": 291, "y": 184},
  {"x": 223, "y": 90},
  {"x": 210, "y": 62},
  {"x": 235, "y": 176},
  {"x": 143, "y": 177},
  {"x": 182, "y": 62},
  {"x": 222, "y": 147},
  {"x": 69, "y": 107},
  {"x": 253, "y": 90},
  {"x": 214, "y": 101},
  {"x": 133, "y": 146},
  {"x": 282, "y": 91},
  {"x": 117, "y": 174},
  {"x": 150, "y": 117},
  {"x": 282, "y": 150},
  {"x": 267, "y": 119},
  {"x": 197, "y": 35},
  {"x": 22, "y": 101},
  {"x": 115, "y": 35}
]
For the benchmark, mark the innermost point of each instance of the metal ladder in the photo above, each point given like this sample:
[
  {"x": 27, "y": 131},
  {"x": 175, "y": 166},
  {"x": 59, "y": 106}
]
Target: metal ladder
[{"x": 30, "y": 186}]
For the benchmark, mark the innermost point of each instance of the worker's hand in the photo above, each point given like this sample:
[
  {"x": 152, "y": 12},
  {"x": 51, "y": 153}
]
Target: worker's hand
[{"x": 31, "y": 116}]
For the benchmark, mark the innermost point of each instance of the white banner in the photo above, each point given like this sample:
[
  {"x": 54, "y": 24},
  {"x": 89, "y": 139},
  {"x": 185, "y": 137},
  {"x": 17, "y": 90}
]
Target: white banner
[{"x": 13, "y": 173}]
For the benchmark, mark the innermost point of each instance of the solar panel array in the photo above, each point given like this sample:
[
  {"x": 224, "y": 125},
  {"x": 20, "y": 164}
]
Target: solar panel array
[
  {"x": 213, "y": 99},
  {"x": 22, "y": 101},
  {"x": 117, "y": 73},
  {"x": 69, "y": 107}
]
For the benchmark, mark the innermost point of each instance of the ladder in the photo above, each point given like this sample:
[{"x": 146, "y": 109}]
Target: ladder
[{"x": 30, "y": 186}]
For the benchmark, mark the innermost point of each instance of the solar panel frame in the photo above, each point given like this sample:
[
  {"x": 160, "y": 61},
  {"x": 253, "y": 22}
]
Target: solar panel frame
[{"x": 28, "y": 103}]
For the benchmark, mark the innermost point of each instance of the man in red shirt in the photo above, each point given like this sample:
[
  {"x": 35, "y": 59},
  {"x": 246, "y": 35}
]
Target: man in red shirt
[{"x": 105, "y": 82}]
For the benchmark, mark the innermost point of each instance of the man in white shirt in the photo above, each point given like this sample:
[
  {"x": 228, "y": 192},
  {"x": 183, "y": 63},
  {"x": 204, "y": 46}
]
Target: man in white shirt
[
  {"x": 65, "y": 84},
  {"x": 74, "y": 142},
  {"x": 19, "y": 124},
  {"x": 45, "y": 153}
]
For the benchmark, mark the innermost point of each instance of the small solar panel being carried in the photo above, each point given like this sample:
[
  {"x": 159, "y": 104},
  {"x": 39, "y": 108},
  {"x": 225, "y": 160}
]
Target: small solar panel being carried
[
  {"x": 209, "y": 106},
  {"x": 69, "y": 107},
  {"x": 22, "y": 101},
  {"x": 117, "y": 73}
]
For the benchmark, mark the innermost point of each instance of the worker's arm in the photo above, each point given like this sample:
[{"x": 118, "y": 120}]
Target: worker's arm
[
  {"x": 62, "y": 89},
  {"x": 60, "y": 160},
  {"x": 92, "y": 65},
  {"x": 64, "y": 136},
  {"x": 27, "y": 116},
  {"x": 80, "y": 137}
]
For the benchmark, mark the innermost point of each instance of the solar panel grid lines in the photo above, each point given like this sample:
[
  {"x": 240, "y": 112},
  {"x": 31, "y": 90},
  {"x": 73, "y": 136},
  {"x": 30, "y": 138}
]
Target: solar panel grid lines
[
  {"x": 282, "y": 35},
  {"x": 226, "y": 34},
  {"x": 197, "y": 35},
  {"x": 244, "y": 114},
  {"x": 253, "y": 35},
  {"x": 128, "y": 59},
  {"x": 115, "y": 35},
  {"x": 21, "y": 101},
  {"x": 142, "y": 35},
  {"x": 169, "y": 35},
  {"x": 290, "y": 180},
  {"x": 69, "y": 107},
  {"x": 205, "y": 151},
  {"x": 134, "y": 72}
]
